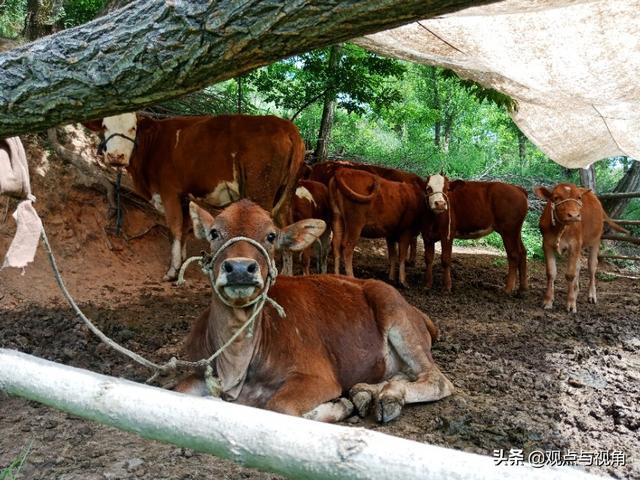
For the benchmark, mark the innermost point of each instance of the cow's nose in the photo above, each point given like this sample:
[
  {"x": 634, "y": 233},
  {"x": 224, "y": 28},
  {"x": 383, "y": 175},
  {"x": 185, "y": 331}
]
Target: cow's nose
[
  {"x": 574, "y": 215},
  {"x": 440, "y": 205},
  {"x": 241, "y": 270}
]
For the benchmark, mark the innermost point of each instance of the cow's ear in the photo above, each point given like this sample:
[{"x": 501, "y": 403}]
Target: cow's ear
[
  {"x": 202, "y": 221},
  {"x": 301, "y": 234},
  {"x": 583, "y": 190},
  {"x": 542, "y": 193},
  {"x": 94, "y": 125}
]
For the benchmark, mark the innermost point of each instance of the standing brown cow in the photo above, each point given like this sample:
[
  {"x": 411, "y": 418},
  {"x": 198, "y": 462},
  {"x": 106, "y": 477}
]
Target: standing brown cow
[
  {"x": 312, "y": 201},
  {"x": 463, "y": 209},
  {"x": 323, "y": 172},
  {"x": 220, "y": 159},
  {"x": 339, "y": 335},
  {"x": 364, "y": 204},
  {"x": 572, "y": 220}
]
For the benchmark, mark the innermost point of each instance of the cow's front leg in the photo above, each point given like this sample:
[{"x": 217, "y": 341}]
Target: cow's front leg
[
  {"x": 312, "y": 397},
  {"x": 392, "y": 254},
  {"x": 552, "y": 271},
  {"x": 572, "y": 274},
  {"x": 593, "y": 267},
  {"x": 174, "y": 217},
  {"x": 403, "y": 248},
  {"x": 445, "y": 258}
]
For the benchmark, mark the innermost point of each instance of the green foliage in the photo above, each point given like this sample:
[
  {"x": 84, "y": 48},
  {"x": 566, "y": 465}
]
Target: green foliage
[
  {"x": 12, "y": 14},
  {"x": 78, "y": 12},
  {"x": 361, "y": 81}
]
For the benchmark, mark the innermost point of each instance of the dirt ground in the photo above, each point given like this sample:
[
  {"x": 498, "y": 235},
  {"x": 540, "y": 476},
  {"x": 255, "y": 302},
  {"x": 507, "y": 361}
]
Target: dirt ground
[{"x": 526, "y": 378}]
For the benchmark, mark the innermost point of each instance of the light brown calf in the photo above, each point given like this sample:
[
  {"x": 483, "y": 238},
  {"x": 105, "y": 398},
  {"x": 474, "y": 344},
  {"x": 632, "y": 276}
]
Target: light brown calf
[
  {"x": 364, "y": 204},
  {"x": 323, "y": 172},
  {"x": 311, "y": 200},
  {"x": 339, "y": 335},
  {"x": 572, "y": 220},
  {"x": 463, "y": 209},
  {"x": 219, "y": 159}
]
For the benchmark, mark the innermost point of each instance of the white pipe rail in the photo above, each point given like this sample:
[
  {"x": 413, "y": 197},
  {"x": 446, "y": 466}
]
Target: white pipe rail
[{"x": 269, "y": 441}]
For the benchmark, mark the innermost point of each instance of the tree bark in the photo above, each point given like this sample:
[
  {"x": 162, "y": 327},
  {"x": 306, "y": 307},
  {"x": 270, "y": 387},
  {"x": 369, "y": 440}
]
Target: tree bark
[
  {"x": 630, "y": 182},
  {"x": 588, "y": 177},
  {"x": 329, "y": 108},
  {"x": 147, "y": 52}
]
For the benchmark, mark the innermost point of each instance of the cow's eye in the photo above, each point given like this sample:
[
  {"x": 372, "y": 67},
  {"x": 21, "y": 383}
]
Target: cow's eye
[
  {"x": 271, "y": 237},
  {"x": 214, "y": 234}
]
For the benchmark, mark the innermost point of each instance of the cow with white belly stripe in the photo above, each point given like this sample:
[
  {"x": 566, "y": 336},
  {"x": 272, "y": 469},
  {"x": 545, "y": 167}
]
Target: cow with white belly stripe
[{"x": 218, "y": 159}]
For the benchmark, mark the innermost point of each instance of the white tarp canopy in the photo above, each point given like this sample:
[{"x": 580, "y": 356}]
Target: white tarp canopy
[{"x": 572, "y": 66}]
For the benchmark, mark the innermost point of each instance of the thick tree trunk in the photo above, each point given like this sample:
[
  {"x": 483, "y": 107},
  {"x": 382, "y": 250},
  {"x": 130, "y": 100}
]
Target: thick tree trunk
[
  {"x": 148, "y": 51},
  {"x": 41, "y": 18},
  {"x": 328, "y": 109},
  {"x": 630, "y": 182},
  {"x": 588, "y": 177},
  {"x": 522, "y": 148},
  {"x": 448, "y": 127}
]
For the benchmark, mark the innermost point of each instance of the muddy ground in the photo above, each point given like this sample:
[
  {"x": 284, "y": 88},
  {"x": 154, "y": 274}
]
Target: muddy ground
[{"x": 525, "y": 378}]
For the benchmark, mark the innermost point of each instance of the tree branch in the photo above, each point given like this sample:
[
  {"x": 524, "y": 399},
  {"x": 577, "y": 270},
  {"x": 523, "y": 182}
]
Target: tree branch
[{"x": 147, "y": 52}]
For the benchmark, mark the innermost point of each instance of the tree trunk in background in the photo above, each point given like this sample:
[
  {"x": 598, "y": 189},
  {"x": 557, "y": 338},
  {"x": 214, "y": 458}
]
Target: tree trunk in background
[
  {"x": 522, "y": 148},
  {"x": 329, "y": 108},
  {"x": 239, "y": 83},
  {"x": 588, "y": 177},
  {"x": 41, "y": 18},
  {"x": 630, "y": 182},
  {"x": 448, "y": 127},
  {"x": 148, "y": 52}
]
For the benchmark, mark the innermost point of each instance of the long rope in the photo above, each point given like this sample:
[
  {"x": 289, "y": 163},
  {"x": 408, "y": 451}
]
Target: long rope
[
  {"x": 118, "y": 206},
  {"x": 172, "y": 364}
]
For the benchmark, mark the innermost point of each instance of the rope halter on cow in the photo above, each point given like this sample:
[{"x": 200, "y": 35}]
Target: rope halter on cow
[
  {"x": 554, "y": 205},
  {"x": 446, "y": 199},
  {"x": 102, "y": 146}
]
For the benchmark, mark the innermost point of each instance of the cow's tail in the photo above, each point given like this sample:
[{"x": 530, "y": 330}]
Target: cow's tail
[
  {"x": 609, "y": 221},
  {"x": 352, "y": 195},
  {"x": 434, "y": 331}
]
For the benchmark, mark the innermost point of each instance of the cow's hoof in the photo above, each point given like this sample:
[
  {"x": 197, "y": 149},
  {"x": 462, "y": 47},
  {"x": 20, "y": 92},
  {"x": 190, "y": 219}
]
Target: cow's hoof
[
  {"x": 593, "y": 299},
  {"x": 170, "y": 276},
  {"x": 347, "y": 405},
  {"x": 572, "y": 309},
  {"x": 547, "y": 306},
  {"x": 387, "y": 408},
  {"x": 362, "y": 402}
]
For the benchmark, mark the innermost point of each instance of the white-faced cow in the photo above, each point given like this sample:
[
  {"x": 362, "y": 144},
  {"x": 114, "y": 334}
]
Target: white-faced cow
[
  {"x": 572, "y": 220},
  {"x": 463, "y": 209},
  {"x": 340, "y": 334},
  {"x": 219, "y": 159}
]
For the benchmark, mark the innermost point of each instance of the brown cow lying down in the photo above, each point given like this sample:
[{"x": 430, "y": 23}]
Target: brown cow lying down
[
  {"x": 364, "y": 204},
  {"x": 463, "y": 209},
  {"x": 572, "y": 220},
  {"x": 339, "y": 335},
  {"x": 312, "y": 201},
  {"x": 323, "y": 172},
  {"x": 219, "y": 159}
]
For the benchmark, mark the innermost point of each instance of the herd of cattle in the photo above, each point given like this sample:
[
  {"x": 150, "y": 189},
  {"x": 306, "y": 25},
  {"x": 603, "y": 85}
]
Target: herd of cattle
[{"x": 340, "y": 334}]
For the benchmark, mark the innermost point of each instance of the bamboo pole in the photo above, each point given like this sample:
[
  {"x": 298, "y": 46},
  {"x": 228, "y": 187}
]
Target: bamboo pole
[
  {"x": 603, "y": 196},
  {"x": 269, "y": 441},
  {"x": 620, "y": 257},
  {"x": 621, "y": 221},
  {"x": 621, "y": 238}
]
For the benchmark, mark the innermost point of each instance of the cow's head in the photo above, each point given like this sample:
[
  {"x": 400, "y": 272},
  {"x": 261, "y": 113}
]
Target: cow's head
[
  {"x": 118, "y": 137},
  {"x": 436, "y": 190},
  {"x": 240, "y": 270},
  {"x": 566, "y": 201}
]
